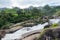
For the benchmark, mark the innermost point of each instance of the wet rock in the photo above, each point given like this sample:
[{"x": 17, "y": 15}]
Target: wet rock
[{"x": 2, "y": 34}]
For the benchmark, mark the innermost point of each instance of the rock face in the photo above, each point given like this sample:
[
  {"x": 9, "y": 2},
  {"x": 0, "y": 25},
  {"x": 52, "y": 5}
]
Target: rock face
[
  {"x": 28, "y": 24},
  {"x": 50, "y": 34},
  {"x": 2, "y": 34}
]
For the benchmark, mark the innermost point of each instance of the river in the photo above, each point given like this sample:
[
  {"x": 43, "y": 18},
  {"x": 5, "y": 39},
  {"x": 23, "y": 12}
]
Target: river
[{"x": 18, "y": 34}]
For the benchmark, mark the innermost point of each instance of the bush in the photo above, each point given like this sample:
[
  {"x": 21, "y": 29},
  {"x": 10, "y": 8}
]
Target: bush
[
  {"x": 54, "y": 25},
  {"x": 7, "y": 26}
]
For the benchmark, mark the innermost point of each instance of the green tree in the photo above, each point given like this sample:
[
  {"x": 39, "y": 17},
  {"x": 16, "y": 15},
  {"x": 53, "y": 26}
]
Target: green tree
[{"x": 57, "y": 13}]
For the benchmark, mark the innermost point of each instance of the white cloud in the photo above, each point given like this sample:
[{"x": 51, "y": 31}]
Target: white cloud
[
  {"x": 27, "y": 3},
  {"x": 18, "y": 3},
  {"x": 14, "y": 3}
]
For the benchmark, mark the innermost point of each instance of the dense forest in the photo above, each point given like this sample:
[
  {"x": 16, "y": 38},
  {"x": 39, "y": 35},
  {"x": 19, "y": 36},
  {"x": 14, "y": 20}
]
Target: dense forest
[{"x": 10, "y": 16}]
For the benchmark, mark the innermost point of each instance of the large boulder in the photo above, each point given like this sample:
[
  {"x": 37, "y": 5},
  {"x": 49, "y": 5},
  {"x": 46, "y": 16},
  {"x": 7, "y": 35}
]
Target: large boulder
[{"x": 50, "y": 34}]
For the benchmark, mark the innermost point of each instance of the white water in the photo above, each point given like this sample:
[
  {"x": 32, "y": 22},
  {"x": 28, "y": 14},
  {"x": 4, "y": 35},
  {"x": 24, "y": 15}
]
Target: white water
[
  {"x": 18, "y": 34},
  {"x": 53, "y": 21}
]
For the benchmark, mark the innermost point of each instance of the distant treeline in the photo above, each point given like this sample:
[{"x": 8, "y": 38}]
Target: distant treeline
[{"x": 10, "y": 16}]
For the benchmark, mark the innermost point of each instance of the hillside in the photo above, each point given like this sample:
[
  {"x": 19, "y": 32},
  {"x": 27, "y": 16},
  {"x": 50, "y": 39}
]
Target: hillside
[
  {"x": 14, "y": 19},
  {"x": 10, "y": 16}
]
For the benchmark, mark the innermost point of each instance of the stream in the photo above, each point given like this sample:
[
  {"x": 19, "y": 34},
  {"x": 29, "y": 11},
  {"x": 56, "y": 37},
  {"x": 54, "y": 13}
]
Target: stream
[{"x": 18, "y": 34}]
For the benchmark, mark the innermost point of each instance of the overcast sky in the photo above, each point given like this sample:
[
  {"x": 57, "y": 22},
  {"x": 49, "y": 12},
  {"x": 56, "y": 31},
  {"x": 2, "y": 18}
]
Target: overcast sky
[{"x": 27, "y": 3}]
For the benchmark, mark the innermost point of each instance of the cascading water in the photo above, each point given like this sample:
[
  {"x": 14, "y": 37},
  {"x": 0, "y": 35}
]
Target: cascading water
[{"x": 18, "y": 34}]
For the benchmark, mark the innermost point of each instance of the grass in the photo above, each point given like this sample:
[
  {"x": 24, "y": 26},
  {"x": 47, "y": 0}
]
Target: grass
[{"x": 54, "y": 25}]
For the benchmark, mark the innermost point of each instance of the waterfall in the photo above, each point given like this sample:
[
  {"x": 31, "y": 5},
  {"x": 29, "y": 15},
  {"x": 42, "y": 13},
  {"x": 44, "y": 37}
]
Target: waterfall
[{"x": 27, "y": 30}]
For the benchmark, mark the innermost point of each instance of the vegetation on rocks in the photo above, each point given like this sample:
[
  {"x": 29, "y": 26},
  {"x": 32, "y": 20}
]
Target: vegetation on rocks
[
  {"x": 54, "y": 25},
  {"x": 50, "y": 34}
]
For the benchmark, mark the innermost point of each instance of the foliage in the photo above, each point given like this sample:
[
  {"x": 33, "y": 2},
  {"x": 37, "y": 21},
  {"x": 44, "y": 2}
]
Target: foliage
[
  {"x": 16, "y": 15},
  {"x": 57, "y": 13},
  {"x": 54, "y": 25}
]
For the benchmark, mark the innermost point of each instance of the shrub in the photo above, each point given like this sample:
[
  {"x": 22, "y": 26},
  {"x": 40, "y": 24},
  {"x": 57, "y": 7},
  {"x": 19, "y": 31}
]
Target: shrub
[
  {"x": 7, "y": 26},
  {"x": 54, "y": 25}
]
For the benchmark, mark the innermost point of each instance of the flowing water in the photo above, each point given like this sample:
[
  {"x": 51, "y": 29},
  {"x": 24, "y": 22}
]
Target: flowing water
[{"x": 18, "y": 34}]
